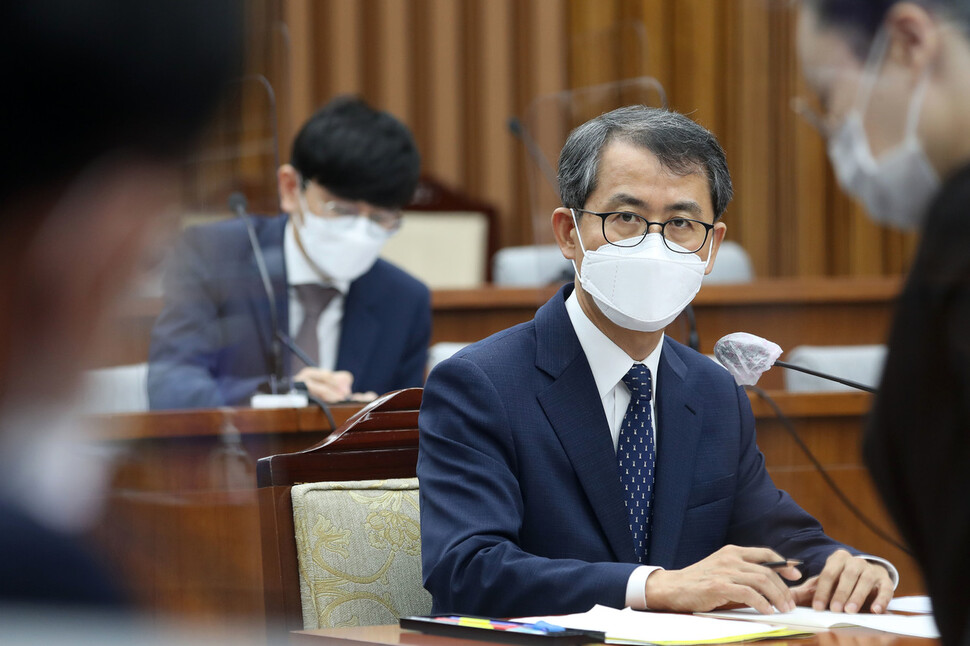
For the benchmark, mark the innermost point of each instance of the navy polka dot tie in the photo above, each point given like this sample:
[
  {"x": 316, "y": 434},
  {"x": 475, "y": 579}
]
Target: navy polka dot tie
[{"x": 637, "y": 457}]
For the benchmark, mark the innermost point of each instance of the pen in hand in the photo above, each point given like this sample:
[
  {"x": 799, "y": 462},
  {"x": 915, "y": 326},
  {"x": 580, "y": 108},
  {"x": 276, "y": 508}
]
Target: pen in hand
[{"x": 778, "y": 564}]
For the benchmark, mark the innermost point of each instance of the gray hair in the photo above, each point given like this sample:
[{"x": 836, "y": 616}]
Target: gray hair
[{"x": 682, "y": 146}]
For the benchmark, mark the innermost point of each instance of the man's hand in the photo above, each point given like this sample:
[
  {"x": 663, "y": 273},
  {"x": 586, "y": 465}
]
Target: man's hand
[
  {"x": 728, "y": 577},
  {"x": 332, "y": 386},
  {"x": 329, "y": 385},
  {"x": 847, "y": 584}
]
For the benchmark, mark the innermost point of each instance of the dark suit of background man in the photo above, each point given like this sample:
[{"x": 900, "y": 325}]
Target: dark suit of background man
[
  {"x": 893, "y": 79},
  {"x": 366, "y": 322},
  {"x": 547, "y": 486},
  {"x": 101, "y": 101}
]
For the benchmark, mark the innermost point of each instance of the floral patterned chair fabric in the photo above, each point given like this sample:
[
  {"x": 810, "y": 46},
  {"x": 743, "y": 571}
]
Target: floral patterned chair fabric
[{"x": 359, "y": 552}]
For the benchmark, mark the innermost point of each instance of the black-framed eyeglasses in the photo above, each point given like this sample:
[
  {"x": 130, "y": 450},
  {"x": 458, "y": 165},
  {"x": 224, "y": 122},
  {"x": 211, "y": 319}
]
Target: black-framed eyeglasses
[{"x": 625, "y": 229}]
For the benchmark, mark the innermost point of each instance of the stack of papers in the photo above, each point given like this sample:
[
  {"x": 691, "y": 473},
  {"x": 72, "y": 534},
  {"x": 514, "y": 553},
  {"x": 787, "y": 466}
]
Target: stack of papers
[
  {"x": 913, "y": 625},
  {"x": 635, "y": 627},
  {"x": 920, "y": 604}
]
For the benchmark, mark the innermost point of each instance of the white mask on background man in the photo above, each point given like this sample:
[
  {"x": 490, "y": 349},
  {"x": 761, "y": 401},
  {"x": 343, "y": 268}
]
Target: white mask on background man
[
  {"x": 896, "y": 188},
  {"x": 641, "y": 288},
  {"x": 342, "y": 247}
]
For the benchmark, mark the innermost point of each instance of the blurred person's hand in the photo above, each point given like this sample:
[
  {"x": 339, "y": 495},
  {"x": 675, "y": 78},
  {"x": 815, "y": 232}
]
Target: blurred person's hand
[
  {"x": 367, "y": 397},
  {"x": 331, "y": 386}
]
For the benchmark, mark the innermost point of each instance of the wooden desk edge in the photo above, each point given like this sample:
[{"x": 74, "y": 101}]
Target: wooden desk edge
[
  {"x": 394, "y": 635},
  {"x": 210, "y": 422}
]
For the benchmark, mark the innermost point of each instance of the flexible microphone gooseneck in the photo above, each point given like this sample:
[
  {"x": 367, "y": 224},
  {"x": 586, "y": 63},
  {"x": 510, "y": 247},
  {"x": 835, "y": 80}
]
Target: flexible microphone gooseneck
[
  {"x": 237, "y": 203},
  {"x": 816, "y": 373},
  {"x": 519, "y": 132}
]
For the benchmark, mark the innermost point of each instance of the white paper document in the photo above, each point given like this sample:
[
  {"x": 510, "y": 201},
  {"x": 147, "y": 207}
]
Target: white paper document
[
  {"x": 913, "y": 625},
  {"x": 637, "y": 627},
  {"x": 920, "y": 604}
]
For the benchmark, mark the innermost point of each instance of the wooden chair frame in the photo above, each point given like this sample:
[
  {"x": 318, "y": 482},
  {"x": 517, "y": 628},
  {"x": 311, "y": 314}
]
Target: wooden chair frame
[{"x": 379, "y": 442}]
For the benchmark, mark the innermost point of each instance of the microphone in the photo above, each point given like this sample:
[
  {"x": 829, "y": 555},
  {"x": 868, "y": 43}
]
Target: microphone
[
  {"x": 693, "y": 338},
  {"x": 519, "y": 132},
  {"x": 238, "y": 204},
  {"x": 747, "y": 357}
]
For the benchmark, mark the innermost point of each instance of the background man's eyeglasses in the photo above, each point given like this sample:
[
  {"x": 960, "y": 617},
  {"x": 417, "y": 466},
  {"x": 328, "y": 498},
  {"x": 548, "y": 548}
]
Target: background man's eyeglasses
[{"x": 389, "y": 219}]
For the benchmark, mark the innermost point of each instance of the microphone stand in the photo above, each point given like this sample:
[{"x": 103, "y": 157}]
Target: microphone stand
[
  {"x": 519, "y": 132},
  {"x": 237, "y": 202}
]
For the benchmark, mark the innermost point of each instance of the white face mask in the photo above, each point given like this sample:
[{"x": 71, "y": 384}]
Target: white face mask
[
  {"x": 641, "y": 288},
  {"x": 342, "y": 247},
  {"x": 896, "y": 188}
]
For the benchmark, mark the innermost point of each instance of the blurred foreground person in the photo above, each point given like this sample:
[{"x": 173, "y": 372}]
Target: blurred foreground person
[
  {"x": 893, "y": 80},
  {"x": 101, "y": 100},
  {"x": 364, "y": 324}
]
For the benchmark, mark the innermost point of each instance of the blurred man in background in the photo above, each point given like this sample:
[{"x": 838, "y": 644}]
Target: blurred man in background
[
  {"x": 363, "y": 324},
  {"x": 892, "y": 80},
  {"x": 101, "y": 100}
]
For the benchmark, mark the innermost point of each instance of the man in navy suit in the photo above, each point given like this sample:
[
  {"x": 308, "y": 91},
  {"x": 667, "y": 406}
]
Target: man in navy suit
[
  {"x": 364, "y": 323},
  {"x": 583, "y": 458}
]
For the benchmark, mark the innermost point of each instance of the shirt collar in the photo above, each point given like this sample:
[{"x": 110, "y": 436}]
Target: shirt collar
[
  {"x": 299, "y": 271},
  {"x": 607, "y": 361}
]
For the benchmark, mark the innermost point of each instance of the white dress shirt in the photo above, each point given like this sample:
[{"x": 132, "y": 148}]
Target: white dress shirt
[
  {"x": 299, "y": 271},
  {"x": 609, "y": 364}
]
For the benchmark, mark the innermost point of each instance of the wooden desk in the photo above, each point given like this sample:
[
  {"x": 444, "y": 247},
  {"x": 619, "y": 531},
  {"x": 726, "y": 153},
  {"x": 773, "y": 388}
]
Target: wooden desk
[
  {"x": 790, "y": 312},
  {"x": 394, "y": 636},
  {"x": 182, "y": 522}
]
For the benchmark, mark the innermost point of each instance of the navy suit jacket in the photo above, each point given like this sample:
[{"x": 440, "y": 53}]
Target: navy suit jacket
[
  {"x": 521, "y": 504},
  {"x": 211, "y": 345}
]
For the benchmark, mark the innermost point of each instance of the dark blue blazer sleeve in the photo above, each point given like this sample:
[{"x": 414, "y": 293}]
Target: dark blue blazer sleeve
[
  {"x": 765, "y": 515},
  {"x": 186, "y": 339}
]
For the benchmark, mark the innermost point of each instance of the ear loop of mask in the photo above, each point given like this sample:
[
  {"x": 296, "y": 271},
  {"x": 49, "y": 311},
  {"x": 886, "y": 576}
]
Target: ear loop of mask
[
  {"x": 572, "y": 212},
  {"x": 870, "y": 73}
]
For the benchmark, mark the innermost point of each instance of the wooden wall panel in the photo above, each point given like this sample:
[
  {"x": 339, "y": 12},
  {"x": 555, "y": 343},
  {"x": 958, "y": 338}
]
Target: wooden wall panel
[
  {"x": 493, "y": 63},
  {"x": 456, "y": 70},
  {"x": 746, "y": 102}
]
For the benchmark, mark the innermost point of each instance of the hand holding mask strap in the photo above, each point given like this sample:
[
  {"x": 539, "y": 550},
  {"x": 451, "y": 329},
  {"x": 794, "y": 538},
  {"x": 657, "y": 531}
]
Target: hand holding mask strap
[{"x": 896, "y": 188}]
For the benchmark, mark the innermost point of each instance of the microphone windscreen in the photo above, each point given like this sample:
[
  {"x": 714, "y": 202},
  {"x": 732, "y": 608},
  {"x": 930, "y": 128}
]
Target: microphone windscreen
[{"x": 746, "y": 356}]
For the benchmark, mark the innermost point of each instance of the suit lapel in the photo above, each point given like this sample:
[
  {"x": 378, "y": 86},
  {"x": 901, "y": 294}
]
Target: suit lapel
[
  {"x": 679, "y": 412},
  {"x": 358, "y": 330},
  {"x": 573, "y": 407}
]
